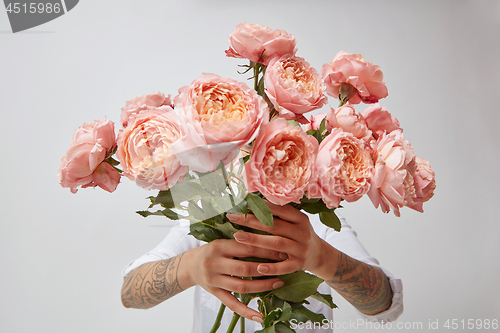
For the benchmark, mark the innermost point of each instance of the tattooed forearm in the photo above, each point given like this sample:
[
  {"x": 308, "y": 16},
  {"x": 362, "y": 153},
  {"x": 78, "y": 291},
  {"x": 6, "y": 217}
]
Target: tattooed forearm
[
  {"x": 151, "y": 284},
  {"x": 364, "y": 286}
]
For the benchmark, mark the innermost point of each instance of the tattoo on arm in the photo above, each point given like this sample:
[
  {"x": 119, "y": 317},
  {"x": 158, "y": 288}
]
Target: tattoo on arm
[
  {"x": 152, "y": 283},
  {"x": 364, "y": 286}
]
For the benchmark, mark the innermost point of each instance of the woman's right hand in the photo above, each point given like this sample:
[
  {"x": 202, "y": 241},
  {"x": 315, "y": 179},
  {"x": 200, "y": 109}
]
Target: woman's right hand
[{"x": 215, "y": 267}]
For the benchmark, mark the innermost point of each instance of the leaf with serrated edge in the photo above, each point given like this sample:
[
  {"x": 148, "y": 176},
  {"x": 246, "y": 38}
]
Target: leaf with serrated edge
[
  {"x": 298, "y": 286},
  {"x": 226, "y": 229},
  {"x": 259, "y": 208}
]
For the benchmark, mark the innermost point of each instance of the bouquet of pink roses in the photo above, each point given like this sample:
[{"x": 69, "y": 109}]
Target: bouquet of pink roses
[{"x": 222, "y": 147}]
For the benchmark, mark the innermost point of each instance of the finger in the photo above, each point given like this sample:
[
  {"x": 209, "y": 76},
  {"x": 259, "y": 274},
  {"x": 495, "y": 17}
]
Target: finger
[
  {"x": 280, "y": 228},
  {"x": 243, "y": 286},
  {"x": 236, "y": 306},
  {"x": 270, "y": 242},
  {"x": 280, "y": 268},
  {"x": 231, "y": 248},
  {"x": 287, "y": 213}
]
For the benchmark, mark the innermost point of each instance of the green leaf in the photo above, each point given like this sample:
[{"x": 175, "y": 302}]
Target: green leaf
[
  {"x": 259, "y": 208},
  {"x": 204, "y": 232},
  {"x": 246, "y": 158},
  {"x": 271, "y": 316},
  {"x": 146, "y": 213},
  {"x": 303, "y": 314},
  {"x": 269, "y": 329},
  {"x": 195, "y": 211},
  {"x": 283, "y": 328},
  {"x": 314, "y": 207},
  {"x": 213, "y": 182},
  {"x": 286, "y": 314},
  {"x": 324, "y": 298},
  {"x": 330, "y": 219},
  {"x": 210, "y": 212},
  {"x": 227, "y": 229},
  {"x": 298, "y": 286},
  {"x": 240, "y": 208},
  {"x": 164, "y": 198}
]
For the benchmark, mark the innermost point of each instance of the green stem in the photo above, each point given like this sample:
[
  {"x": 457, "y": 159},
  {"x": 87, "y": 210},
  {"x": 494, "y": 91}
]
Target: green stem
[
  {"x": 245, "y": 299},
  {"x": 242, "y": 322},
  {"x": 232, "y": 325},
  {"x": 219, "y": 318}
]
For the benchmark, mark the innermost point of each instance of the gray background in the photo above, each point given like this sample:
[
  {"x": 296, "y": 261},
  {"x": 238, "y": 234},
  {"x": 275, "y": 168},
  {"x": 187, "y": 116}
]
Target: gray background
[{"x": 62, "y": 254}]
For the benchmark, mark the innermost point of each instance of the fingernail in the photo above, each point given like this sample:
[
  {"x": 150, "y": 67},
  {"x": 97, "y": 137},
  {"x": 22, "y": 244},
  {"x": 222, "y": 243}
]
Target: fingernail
[
  {"x": 233, "y": 217},
  {"x": 262, "y": 269},
  {"x": 278, "y": 284},
  {"x": 241, "y": 236},
  {"x": 257, "y": 319},
  {"x": 283, "y": 255}
]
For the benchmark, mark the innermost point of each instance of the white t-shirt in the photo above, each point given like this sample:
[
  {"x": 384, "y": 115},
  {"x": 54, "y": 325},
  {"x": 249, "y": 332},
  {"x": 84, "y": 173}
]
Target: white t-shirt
[{"x": 206, "y": 306}]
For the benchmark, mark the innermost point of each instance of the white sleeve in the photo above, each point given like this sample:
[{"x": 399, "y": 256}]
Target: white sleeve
[
  {"x": 176, "y": 242},
  {"x": 347, "y": 242}
]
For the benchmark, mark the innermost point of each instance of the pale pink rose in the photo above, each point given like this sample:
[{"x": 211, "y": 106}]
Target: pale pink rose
[
  {"x": 144, "y": 149},
  {"x": 314, "y": 122},
  {"x": 83, "y": 165},
  {"x": 219, "y": 115},
  {"x": 351, "y": 74},
  {"x": 281, "y": 162},
  {"x": 379, "y": 120},
  {"x": 346, "y": 118},
  {"x": 259, "y": 43},
  {"x": 143, "y": 102},
  {"x": 294, "y": 87},
  {"x": 343, "y": 169},
  {"x": 392, "y": 183},
  {"x": 425, "y": 184}
]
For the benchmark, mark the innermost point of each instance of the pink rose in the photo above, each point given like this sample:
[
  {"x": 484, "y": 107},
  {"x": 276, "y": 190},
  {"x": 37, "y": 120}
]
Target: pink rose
[
  {"x": 425, "y": 184},
  {"x": 219, "y": 116},
  {"x": 392, "y": 183},
  {"x": 294, "y": 87},
  {"x": 144, "y": 149},
  {"x": 143, "y": 102},
  {"x": 352, "y": 75},
  {"x": 343, "y": 169},
  {"x": 346, "y": 118},
  {"x": 314, "y": 122},
  {"x": 379, "y": 120},
  {"x": 84, "y": 163},
  {"x": 259, "y": 43},
  {"x": 281, "y": 162}
]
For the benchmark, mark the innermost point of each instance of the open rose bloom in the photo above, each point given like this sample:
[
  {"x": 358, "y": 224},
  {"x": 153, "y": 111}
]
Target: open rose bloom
[
  {"x": 259, "y": 43},
  {"x": 352, "y": 74},
  {"x": 143, "y": 102},
  {"x": 144, "y": 149},
  {"x": 294, "y": 87},
  {"x": 83, "y": 165},
  {"x": 281, "y": 162},
  {"x": 343, "y": 169},
  {"x": 219, "y": 116}
]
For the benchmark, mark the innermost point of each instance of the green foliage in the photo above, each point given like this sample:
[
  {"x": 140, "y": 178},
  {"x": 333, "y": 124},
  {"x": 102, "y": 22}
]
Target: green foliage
[
  {"x": 259, "y": 208},
  {"x": 298, "y": 286},
  {"x": 330, "y": 219}
]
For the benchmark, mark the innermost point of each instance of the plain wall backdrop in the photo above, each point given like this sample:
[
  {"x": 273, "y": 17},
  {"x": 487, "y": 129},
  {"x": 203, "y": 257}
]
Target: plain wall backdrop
[{"x": 62, "y": 254}]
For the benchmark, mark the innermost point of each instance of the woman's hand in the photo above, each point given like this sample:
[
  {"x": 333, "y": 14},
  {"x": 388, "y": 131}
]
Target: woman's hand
[
  {"x": 215, "y": 268},
  {"x": 292, "y": 234}
]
